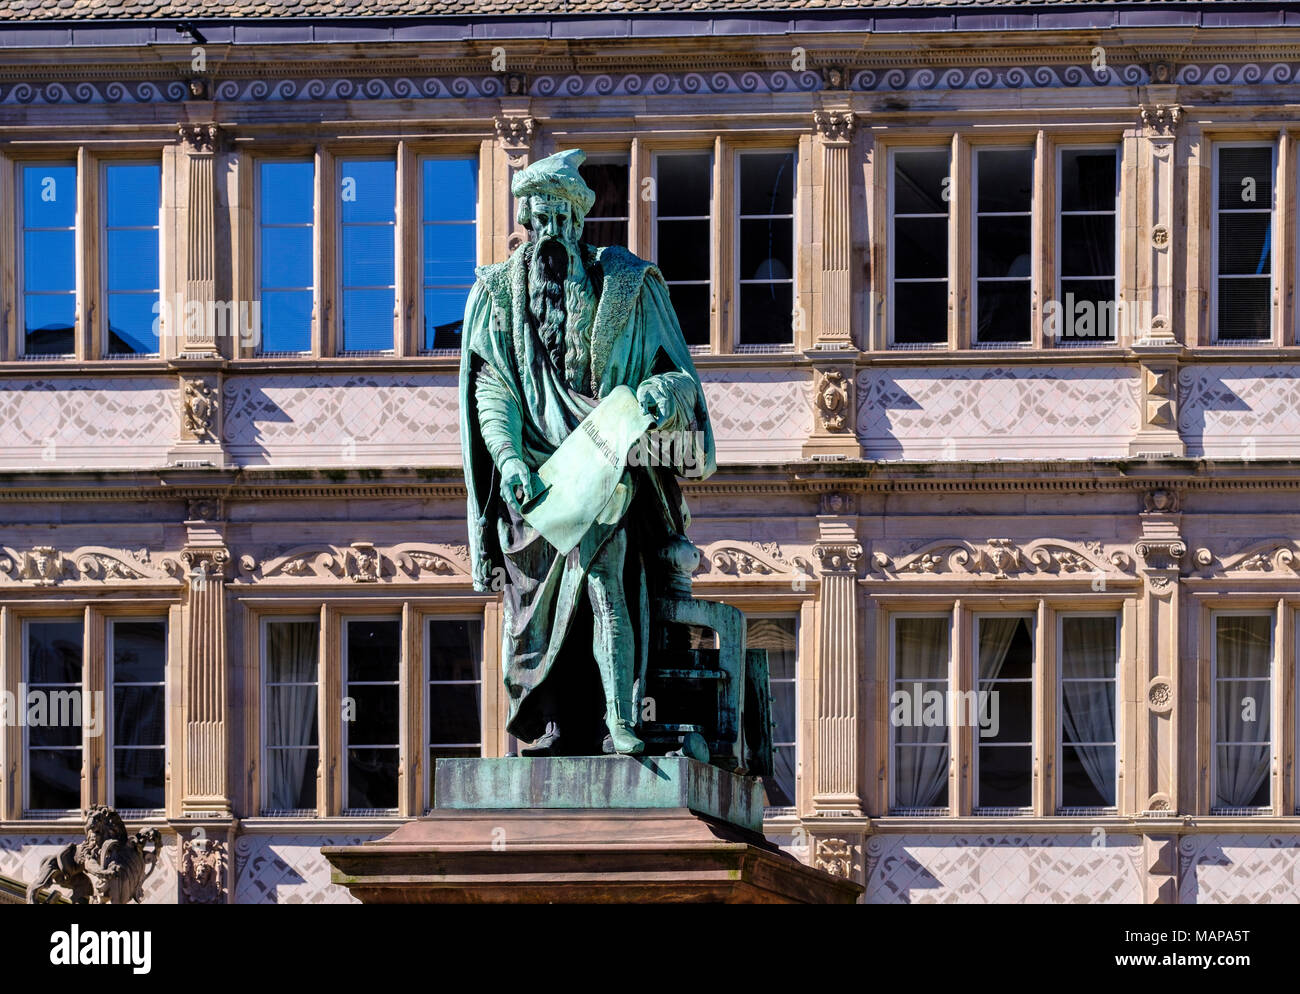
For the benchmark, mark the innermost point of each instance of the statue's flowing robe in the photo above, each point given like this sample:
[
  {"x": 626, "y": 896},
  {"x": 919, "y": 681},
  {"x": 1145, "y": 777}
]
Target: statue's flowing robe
[{"x": 635, "y": 336}]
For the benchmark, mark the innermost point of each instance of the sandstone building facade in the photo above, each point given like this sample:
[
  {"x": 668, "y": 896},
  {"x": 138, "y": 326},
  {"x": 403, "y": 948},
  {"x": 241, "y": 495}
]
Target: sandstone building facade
[{"x": 995, "y": 309}]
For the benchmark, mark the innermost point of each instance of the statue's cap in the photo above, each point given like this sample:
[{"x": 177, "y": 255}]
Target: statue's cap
[{"x": 557, "y": 176}]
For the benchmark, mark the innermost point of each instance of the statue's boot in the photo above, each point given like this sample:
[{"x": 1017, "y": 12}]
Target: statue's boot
[
  {"x": 545, "y": 745},
  {"x": 622, "y": 730}
]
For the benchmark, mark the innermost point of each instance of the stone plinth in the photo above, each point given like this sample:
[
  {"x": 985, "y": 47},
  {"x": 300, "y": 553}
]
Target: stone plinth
[{"x": 599, "y": 829}]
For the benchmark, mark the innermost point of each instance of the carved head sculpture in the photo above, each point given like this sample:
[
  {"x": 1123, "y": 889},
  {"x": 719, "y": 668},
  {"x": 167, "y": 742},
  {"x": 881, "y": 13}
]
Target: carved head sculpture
[{"x": 103, "y": 825}]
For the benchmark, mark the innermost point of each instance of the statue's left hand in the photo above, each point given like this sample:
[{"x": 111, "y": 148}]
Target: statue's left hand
[{"x": 658, "y": 401}]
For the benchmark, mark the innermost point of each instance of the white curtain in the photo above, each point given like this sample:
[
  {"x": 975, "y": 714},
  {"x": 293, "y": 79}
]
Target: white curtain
[
  {"x": 1243, "y": 655},
  {"x": 291, "y": 649},
  {"x": 921, "y": 767},
  {"x": 1088, "y": 712},
  {"x": 995, "y": 642}
]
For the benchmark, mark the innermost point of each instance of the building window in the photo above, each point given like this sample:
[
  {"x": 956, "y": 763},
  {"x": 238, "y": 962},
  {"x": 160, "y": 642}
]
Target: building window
[
  {"x": 449, "y": 247},
  {"x": 286, "y": 196},
  {"x": 1004, "y": 190},
  {"x": 1241, "y": 707},
  {"x": 766, "y": 250},
  {"x": 919, "y": 704},
  {"x": 291, "y": 729},
  {"x": 52, "y": 747},
  {"x": 607, "y": 221},
  {"x": 367, "y": 253},
  {"x": 138, "y": 650},
  {"x": 372, "y": 714},
  {"x": 919, "y": 198},
  {"x": 1086, "y": 311},
  {"x": 454, "y": 672},
  {"x": 132, "y": 193},
  {"x": 684, "y": 236},
  {"x": 1004, "y": 751},
  {"x": 1243, "y": 242},
  {"x": 1089, "y": 660},
  {"x": 48, "y": 265},
  {"x": 779, "y": 636}
]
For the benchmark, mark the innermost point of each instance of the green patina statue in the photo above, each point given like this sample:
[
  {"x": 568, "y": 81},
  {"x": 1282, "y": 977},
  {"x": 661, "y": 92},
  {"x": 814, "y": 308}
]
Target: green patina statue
[{"x": 550, "y": 336}]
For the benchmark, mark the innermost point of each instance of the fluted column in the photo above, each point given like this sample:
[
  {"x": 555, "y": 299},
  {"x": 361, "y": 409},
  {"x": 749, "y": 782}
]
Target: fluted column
[
  {"x": 207, "y": 786},
  {"x": 839, "y": 741}
]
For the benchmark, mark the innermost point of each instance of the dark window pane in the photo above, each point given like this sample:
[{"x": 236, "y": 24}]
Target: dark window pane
[
  {"x": 372, "y": 778},
  {"x": 286, "y": 320},
  {"x": 368, "y": 191},
  {"x": 1077, "y": 788},
  {"x": 450, "y": 189},
  {"x": 48, "y": 324},
  {"x": 691, "y": 302},
  {"x": 49, "y": 260},
  {"x": 454, "y": 649},
  {"x": 59, "y": 710},
  {"x": 444, "y": 314},
  {"x": 685, "y": 185},
  {"x": 54, "y": 651},
  {"x": 1003, "y": 312},
  {"x": 138, "y": 716},
  {"x": 1245, "y": 308},
  {"x": 454, "y": 713},
  {"x": 376, "y": 714},
  {"x": 1013, "y": 707},
  {"x": 1245, "y": 244},
  {"x": 1087, "y": 245},
  {"x": 1005, "y": 776},
  {"x": 1244, "y": 646},
  {"x": 53, "y": 779},
  {"x": 1004, "y": 246},
  {"x": 921, "y": 181},
  {"x": 921, "y": 248},
  {"x": 684, "y": 250},
  {"x": 766, "y": 249},
  {"x": 49, "y": 196},
  {"x": 608, "y": 181},
  {"x": 1006, "y": 180},
  {"x": 373, "y": 648},
  {"x": 607, "y": 232},
  {"x": 779, "y": 789},
  {"x": 291, "y": 779},
  {"x": 766, "y": 313},
  {"x": 1088, "y": 312},
  {"x": 138, "y": 778},
  {"x": 288, "y": 192},
  {"x": 767, "y": 183},
  {"x": 1088, "y": 180},
  {"x": 1245, "y": 178},
  {"x": 920, "y": 313},
  {"x": 139, "y": 651}
]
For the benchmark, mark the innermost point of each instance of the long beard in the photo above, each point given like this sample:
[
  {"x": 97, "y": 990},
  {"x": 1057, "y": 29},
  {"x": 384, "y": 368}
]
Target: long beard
[{"x": 556, "y": 302}]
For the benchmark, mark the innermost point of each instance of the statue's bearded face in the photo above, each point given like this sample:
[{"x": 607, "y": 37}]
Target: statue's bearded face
[{"x": 555, "y": 231}]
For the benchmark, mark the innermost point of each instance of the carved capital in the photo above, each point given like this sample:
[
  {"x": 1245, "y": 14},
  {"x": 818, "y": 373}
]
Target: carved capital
[
  {"x": 200, "y": 139},
  {"x": 834, "y": 125},
  {"x": 1161, "y": 554},
  {"x": 1161, "y": 119},
  {"x": 205, "y": 564},
  {"x": 515, "y": 133},
  {"x": 838, "y": 558}
]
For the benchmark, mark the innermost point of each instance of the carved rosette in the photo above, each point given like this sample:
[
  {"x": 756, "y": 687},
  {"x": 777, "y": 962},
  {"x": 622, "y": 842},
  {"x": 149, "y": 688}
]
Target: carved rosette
[
  {"x": 203, "y": 872},
  {"x": 1160, "y": 695}
]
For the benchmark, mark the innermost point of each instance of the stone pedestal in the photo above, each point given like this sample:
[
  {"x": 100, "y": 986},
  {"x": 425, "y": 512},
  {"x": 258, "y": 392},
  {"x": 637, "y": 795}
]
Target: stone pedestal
[{"x": 584, "y": 829}]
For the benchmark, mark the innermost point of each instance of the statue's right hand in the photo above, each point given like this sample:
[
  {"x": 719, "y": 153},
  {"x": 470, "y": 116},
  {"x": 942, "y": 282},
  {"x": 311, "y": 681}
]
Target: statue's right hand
[{"x": 516, "y": 484}]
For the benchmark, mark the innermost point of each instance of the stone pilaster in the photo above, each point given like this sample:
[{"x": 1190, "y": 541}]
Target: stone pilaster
[
  {"x": 207, "y": 697},
  {"x": 834, "y": 434},
  {"x": 1160, "y": 551},
  {"x": 516, "y": 129},
  {"x": 195, "y": 329},
  {"x": 1149, "y": 319},
  {"x": 839, "y": 743}
]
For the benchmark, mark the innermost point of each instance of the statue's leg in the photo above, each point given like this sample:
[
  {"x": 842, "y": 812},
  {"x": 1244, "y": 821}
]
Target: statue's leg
[{"x": 614, "y": 642}]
